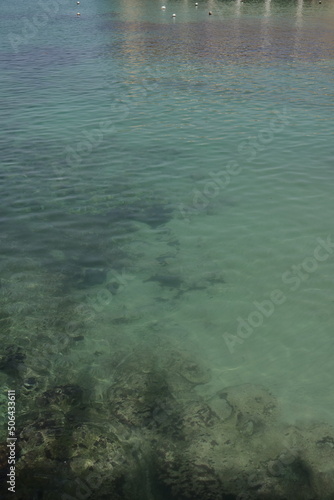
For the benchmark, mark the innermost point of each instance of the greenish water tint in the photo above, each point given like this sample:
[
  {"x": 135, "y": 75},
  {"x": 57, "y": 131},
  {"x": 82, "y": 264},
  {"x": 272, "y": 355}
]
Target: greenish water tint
[{"x": 168, "y": 181}]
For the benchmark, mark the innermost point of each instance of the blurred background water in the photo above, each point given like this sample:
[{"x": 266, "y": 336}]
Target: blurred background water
[{"x": 162, "y": 176}]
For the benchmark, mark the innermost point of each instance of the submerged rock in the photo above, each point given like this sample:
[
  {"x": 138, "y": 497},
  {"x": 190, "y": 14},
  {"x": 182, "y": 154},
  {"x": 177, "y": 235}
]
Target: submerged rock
[
  {"x": 234, "y": 447},
  {"x": 12, "y": 359},
  {"x": 152, "y": 437}
]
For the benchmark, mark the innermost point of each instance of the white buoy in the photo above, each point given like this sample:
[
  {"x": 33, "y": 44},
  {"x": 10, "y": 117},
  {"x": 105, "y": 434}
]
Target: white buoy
[
  {"x": 163, "y": 7},
  {"x": 78, "y": 13},
  {"x": 174, "y": 15},
  {"x": 78, "y": 3},
  {"x": 196, "y": 4}
]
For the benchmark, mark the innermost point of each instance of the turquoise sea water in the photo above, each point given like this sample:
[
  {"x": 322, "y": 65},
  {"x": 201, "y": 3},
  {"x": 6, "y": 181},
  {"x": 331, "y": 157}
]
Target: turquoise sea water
[{"x": 168, "y": 180}]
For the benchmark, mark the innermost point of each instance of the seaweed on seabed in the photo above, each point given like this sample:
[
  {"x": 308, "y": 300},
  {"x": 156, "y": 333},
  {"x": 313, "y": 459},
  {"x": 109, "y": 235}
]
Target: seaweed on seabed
[
  {"x": 47, "y": 441},
  {"x": 77, "y": 276},
  {"x": 85, "y": 278},
  {"x": 11, "y": 360},
  {"x": 155, "y": 214},
  {"x": 152, "y": 213}
]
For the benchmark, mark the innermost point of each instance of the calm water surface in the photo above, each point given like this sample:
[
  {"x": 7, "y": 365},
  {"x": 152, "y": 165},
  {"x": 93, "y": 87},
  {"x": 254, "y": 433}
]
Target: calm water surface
[{"x": 169, "y": 180}]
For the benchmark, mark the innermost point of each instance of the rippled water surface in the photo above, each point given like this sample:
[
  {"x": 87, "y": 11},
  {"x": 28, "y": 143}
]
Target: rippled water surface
[{"x": 168, "y": 180}]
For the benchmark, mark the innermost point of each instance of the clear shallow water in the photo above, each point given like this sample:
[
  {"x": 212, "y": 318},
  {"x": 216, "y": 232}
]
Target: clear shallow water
[{"x": 114, "y": 127}]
